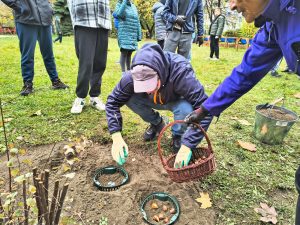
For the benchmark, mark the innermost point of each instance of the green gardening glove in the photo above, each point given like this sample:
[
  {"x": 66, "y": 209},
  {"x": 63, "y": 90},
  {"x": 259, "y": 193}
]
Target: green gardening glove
[
  {"x": 119, "y": 149},
  {"x": 183, "y": 157}
]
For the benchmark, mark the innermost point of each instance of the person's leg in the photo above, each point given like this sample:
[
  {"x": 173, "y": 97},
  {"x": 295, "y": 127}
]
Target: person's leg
[
  {"x": 123, "y": 59},
  {"x": 217, "y": 47},
  {"x": 212, "y": 49},
  {"x": 128, "y": 59},
  {"x": 185, "y": 44},
  {"x": 46, "y": 48},
  {"x": 297, "y": 181},
  {"x": 85, "y": 41},
  {"x": 172, "y": 41},
  {"x": 141, "y": 105},
  {"x": 27, "y": 35},
  {"x": 99, "y": 61}
]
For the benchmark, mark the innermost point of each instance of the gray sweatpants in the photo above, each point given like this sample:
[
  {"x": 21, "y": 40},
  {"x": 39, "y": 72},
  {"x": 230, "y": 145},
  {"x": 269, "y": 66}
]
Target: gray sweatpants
[
  {"x": 91, "y": 50},
  {"x": 180, "y": 41}
]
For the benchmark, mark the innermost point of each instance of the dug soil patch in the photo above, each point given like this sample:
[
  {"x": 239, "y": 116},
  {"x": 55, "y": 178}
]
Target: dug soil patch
[{"x": 85, "y": 204}]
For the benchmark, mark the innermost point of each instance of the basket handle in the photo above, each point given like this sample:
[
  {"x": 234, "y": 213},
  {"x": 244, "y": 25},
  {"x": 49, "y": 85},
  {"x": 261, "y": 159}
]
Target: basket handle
[{"x": 164, "y": 162}]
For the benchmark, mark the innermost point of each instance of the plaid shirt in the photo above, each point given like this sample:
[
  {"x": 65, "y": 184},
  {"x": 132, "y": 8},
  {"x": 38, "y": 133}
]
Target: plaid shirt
[{"x": 90, "y": 13}]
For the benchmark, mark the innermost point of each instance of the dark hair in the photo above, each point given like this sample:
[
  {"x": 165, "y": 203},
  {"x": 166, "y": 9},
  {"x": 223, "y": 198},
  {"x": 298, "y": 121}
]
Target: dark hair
[{"x": 163, "y": 1}]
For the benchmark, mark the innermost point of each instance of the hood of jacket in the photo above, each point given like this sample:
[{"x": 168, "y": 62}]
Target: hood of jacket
[
  {"x": 275, "y": 6},
  {"x": 156, "y": 6},
  {"x": 153, "y": 56}
]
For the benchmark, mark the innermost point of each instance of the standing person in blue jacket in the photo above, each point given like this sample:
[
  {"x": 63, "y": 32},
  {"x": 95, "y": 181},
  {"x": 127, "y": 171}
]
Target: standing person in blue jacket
[
  {"x": 158, "y": 80},
  {"x": 33, "y": 23},
  {"x": 278, "y": 36},
  {"x": 180, "y": 27},
  {"x": 160, "y": 24},
  {"x": 129, "y": 31}
]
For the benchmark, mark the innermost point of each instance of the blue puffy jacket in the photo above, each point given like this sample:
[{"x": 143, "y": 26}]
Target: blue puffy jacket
[
  {"x": 177, "y": 81},
  {"x": 274, "y": 40},
  {"x": 129, "y": 28},
  {"x": 195, "y": 8}
]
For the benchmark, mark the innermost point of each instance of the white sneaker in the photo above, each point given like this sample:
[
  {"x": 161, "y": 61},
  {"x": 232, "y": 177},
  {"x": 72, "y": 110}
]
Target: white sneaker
[
  {"x": 78, "y": 105},
  {"x": 97, "y": 103}
]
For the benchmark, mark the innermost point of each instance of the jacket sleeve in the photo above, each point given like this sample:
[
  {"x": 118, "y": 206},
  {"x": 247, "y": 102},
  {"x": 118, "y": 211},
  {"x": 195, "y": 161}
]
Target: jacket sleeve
[
  {"x": 166, "y": 14},
  {"x": 119, "y": 96},
  {"x": 221, "y": 22},
  {"x": 258, "y": 60},
  {"x": 199, "y": 15},
  {"x": 12, "y": 4},
  {"x": 120, "y": 9}
]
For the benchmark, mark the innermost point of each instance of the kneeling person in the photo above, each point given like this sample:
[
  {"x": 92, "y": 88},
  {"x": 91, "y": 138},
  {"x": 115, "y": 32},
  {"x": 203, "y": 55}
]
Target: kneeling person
[{"x": 161, "y": 81}]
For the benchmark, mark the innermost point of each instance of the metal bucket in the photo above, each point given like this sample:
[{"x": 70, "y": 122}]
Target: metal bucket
[{"x": 270, "y": 130}]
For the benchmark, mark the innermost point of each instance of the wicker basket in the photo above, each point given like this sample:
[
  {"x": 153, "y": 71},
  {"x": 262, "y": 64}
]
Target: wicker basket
[{"x": 199, "y": 165}]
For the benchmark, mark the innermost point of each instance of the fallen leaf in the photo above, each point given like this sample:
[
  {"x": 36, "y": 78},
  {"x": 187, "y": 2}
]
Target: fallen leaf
[
  {"x": 264, "y": 129},
  {"x": 66, "y": 168},
  {"x": 70, "y": 175},
  {"x": 297, "y": 95},
  {"x": 22, "y": 151},
  {"x": 248, "y": 146},
  {"x": 268, "y": 214},
  {"x": 204, "y": 200},
  {"x": 32, "y": 189},
  {"x": 244, "y": 122},
  {"x": 15, "y": 172},
  {"x": 20, "y": 138},
  {"x": 27, "y": 161},
  {"x": 37, "y": 113}
]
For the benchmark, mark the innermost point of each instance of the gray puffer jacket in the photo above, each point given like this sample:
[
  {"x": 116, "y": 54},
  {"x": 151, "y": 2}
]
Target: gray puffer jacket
[
  {"x": 160, "y": 25},
  {"x": 33, "y": 12},
  {"x": 217, "y": 26}
]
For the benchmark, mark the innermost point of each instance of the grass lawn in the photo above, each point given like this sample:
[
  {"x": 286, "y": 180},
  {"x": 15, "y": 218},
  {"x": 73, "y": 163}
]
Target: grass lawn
[{"x": 243, "y": 179}]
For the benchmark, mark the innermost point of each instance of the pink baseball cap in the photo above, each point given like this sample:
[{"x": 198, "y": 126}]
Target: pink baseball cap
[{"x": 144, "y": 78}]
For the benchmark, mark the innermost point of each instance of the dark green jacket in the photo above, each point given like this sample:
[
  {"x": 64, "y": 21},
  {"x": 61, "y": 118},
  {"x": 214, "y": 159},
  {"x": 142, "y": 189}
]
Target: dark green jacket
[{"x": 217, "y": 26}]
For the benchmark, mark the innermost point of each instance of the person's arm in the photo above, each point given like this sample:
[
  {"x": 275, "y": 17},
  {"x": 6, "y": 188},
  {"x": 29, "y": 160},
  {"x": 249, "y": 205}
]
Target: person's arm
[
  {"x": 258, "y": 60},
  {"x": 221, "y": 23},
  {"x": 118, "y": 97},
  {"x": 12, "y": 4},
  {"x": 120, "y": 9},
  {"x": 199, "y": 17},
  {"x": 166, "y": 14}
]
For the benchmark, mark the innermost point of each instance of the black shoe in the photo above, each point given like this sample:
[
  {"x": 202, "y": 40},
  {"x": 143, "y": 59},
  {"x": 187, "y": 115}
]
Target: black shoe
[
  {"x": 153, "y": 130},
  {"x": 176, "y": 143},
  {"x": 27, "y": 88},
  {"x": 58, "y": 84}
]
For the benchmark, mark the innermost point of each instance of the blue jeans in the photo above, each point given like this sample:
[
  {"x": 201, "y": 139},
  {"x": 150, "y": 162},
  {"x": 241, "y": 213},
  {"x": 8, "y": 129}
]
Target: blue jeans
[
  {"x": 141, "y": 105},
  {"x": 28, "y": 35}
]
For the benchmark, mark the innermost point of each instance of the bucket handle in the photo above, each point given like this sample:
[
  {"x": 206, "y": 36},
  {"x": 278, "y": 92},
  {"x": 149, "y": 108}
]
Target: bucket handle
[{"x": 164, "y": 161}]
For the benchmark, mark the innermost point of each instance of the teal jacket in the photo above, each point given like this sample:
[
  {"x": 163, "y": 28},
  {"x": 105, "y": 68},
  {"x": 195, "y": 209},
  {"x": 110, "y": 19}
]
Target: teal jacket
[{"x": 129, "y": 31}]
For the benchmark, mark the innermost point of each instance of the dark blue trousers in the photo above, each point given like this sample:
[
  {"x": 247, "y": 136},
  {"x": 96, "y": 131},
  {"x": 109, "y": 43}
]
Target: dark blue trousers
[{"x": 28, "y": 35}]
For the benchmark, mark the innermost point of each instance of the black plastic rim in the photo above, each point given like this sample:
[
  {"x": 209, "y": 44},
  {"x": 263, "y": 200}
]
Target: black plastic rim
[
  {"x": 110, "y": 170},
  {"x": 162, "y": 197}
]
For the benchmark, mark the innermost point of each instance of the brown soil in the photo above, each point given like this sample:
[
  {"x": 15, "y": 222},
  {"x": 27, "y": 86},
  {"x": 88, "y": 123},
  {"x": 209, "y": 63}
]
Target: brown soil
[
  {"x": 85, "y": 203},
  {"x": 277, "y": 114}
]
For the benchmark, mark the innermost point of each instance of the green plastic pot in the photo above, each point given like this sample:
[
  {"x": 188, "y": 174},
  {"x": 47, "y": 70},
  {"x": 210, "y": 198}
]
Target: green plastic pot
[
  {"x": 270, "y": 130},
  {"x": 165, "y": 198}
]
